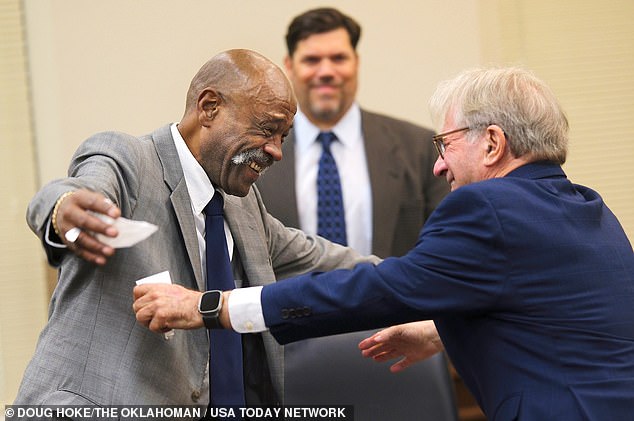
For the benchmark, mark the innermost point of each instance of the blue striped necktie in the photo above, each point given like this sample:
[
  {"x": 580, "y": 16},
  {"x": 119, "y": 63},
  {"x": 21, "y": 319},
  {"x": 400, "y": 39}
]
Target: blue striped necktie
[
  {"x": 226, "y": 383},
  {"x": 331, "y": 218}
]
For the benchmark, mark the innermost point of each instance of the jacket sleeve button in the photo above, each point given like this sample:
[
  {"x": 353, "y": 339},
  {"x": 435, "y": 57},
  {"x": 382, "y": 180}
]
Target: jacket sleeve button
[{"x": 195, "y": 395}]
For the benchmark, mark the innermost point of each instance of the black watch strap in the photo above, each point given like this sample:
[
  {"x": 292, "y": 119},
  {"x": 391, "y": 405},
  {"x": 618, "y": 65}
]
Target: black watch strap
[{"x": 212, "y": 321}]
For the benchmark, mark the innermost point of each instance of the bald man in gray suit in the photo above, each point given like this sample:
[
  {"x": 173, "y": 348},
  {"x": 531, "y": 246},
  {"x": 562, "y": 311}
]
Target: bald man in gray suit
[{"x": 92, "y": 351}]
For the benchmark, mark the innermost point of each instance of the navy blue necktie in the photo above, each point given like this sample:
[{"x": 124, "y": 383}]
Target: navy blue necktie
[
  {"x": 226, "y": 384},
  {"x": 331, "y": 218}
]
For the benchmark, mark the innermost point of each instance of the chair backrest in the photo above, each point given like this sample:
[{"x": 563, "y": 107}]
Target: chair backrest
[{"x": 331, "y": 371}]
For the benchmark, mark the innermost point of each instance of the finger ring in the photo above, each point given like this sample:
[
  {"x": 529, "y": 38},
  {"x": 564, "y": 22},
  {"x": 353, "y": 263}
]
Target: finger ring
[{"x": 72, "y": 234}]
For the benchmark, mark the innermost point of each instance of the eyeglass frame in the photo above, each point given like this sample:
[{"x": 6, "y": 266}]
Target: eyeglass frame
[{"x": 439, "y": 140}]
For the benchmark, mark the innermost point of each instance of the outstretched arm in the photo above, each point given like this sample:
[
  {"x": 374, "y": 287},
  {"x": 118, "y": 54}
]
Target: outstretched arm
[{"x": 411, "y": 342}]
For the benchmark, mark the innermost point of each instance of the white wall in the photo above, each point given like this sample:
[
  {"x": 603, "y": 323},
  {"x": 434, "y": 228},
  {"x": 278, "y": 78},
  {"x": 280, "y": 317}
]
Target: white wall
[{"x": 116, "y": 64}]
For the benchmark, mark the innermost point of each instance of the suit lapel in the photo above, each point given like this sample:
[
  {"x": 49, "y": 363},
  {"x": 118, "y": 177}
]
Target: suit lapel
[
  {"x": 289, "y": 192},
  {"x": 385, "y": 177},
  {"x": 254, "y": 253},
  {"x": 181, "y": 202},
  {"x": 278, "y": 185}
]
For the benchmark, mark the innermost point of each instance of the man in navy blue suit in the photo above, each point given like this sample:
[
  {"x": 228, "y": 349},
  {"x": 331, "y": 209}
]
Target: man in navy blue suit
[{"x": 528, "y": 277}]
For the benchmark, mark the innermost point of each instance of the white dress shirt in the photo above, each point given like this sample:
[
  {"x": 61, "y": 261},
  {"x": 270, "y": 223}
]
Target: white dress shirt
[
  {"x": 200, "y": 192},
  {"x": 349, "y": 153}
]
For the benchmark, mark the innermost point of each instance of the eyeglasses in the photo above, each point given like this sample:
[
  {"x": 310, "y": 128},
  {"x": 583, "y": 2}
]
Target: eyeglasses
[{"x": 439, "y": 140}]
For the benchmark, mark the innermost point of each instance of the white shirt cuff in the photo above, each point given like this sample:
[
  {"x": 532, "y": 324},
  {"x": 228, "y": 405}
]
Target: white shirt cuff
[
  {"x": 47, "y": 237},
  {"x": 245, "y": 310}
]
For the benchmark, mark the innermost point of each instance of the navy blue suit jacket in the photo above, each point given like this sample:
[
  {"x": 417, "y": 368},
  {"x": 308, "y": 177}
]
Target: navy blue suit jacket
[{"x": 530, "y": 280}]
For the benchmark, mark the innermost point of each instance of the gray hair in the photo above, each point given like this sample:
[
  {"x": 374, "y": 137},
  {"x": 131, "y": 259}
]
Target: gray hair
[{"x": 512, "y": 98}]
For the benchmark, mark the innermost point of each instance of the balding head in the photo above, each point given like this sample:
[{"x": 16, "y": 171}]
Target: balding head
[{"x": 240, "y": 75}]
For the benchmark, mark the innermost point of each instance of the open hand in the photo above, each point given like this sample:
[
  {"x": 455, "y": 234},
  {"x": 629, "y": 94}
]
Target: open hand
[{"x": 412, "y": 342}]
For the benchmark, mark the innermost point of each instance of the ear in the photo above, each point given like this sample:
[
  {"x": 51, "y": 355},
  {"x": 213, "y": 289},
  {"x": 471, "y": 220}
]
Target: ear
[
  {"x": 496, "y": 145},
  {"x": 288, "y": 65},
  {"x": 209, "y": 102}
]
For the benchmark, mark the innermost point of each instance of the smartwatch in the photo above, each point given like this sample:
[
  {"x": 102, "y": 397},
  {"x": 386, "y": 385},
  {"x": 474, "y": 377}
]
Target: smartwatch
[{"x": 209, "y": 307}]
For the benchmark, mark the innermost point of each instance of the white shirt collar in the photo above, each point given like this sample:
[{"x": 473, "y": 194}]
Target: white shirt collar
[
  {"x": 198, "y": 184},
  {"x": 347, "y": 130}
]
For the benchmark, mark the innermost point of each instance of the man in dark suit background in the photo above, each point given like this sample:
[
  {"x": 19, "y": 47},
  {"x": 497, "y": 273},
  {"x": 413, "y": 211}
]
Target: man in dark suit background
[
  {"x": 385, "y": 164},
  {"x": 528, "y": 277}
]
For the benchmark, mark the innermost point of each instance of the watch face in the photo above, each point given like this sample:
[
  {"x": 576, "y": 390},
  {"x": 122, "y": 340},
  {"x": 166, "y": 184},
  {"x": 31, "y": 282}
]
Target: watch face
[{"x": 210, "y": 301}]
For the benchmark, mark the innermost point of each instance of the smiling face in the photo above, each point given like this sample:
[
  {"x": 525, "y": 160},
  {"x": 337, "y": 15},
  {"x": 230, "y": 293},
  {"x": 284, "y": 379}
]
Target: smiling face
[
  {"x": 245, "y": 139},
  {"x": 461, "y": 164},
  {"x": 323, "y": 71},
  {"x": 474, "y": 154}
]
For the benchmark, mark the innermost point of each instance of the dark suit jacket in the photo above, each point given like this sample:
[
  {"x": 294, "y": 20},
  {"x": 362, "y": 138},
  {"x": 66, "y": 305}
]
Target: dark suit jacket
[
  {"x": 530, "y": 280},
  {"x": 400, "y": 159}
]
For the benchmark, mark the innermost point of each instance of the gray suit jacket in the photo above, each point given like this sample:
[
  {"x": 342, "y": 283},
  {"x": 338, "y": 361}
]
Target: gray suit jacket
[
  {"x": 92, "y": 351},
  {"x": 400, "y": 159}
]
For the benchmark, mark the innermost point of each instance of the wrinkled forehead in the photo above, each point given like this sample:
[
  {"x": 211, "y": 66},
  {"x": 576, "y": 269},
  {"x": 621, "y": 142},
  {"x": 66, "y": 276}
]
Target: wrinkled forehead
[{"x": 275, "y": 98}]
